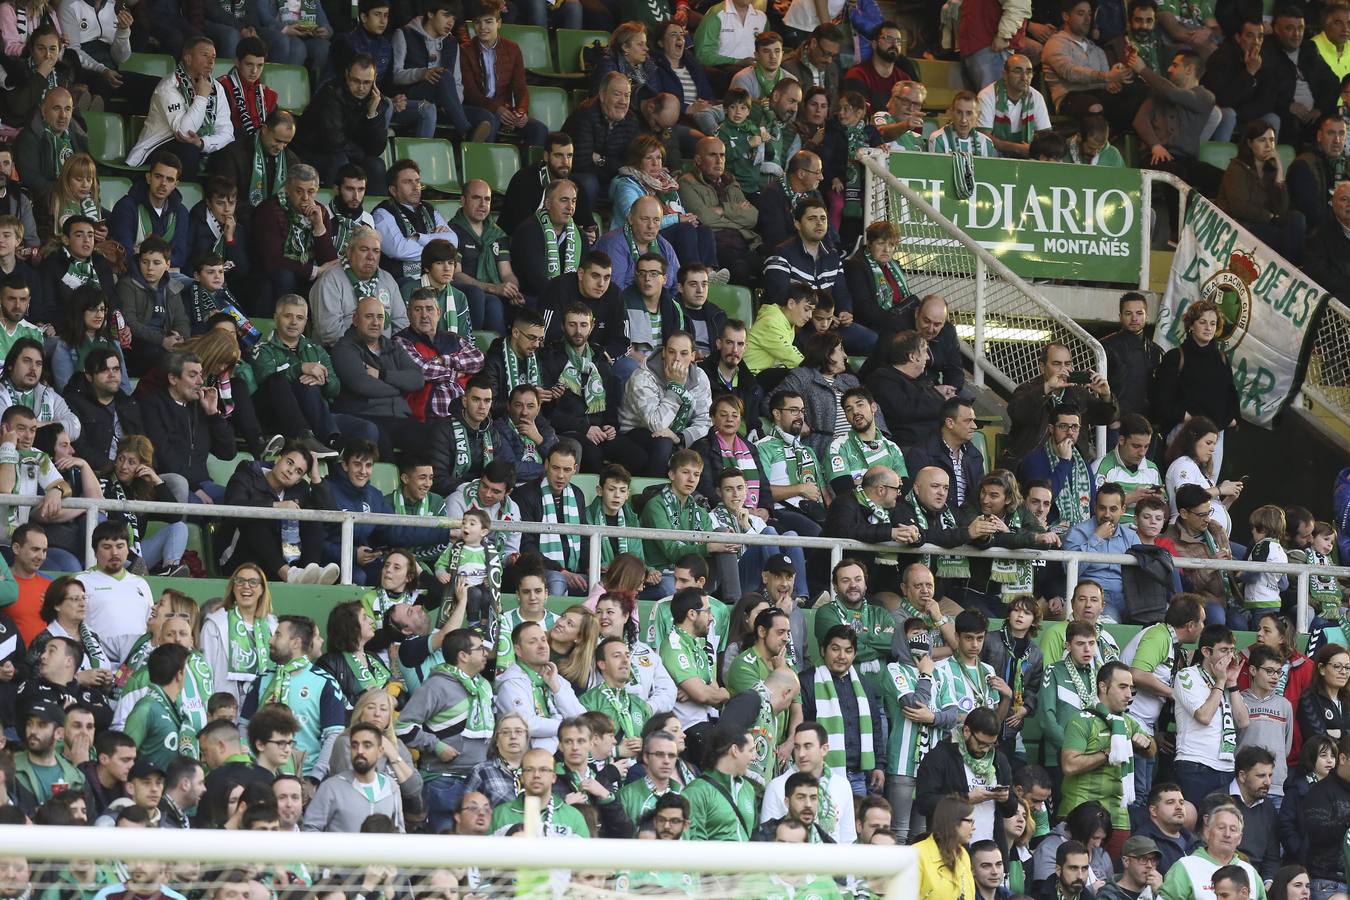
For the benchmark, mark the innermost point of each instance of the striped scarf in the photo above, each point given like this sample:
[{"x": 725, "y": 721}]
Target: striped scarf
[
  {"x": 476, "y": 707},
  {"x": 948, "y": 566},
  {"x": 890, "y": 290},
  {"x": 279, "y": 690},
  {"x": 1228, "y": 737},
  {"x": 607, "y": 545},
  {"x": 248, "y": 650},
  {"x": 582, "y": 377},
  {"x": 1074, "y": 500},
  {"x": 250, "y": 121},
  {"x": 512, "y": 366},
  {"x": 188, "y": 92},
  {"x": 565, "y": 550},
  {"x": 739, "y": 456},
  {"x": 831, "y": 718},
  {"x": 1122, "y": 751},
  {"x": 555, "y": 262},
  {"x": 1004, "y": 128}
]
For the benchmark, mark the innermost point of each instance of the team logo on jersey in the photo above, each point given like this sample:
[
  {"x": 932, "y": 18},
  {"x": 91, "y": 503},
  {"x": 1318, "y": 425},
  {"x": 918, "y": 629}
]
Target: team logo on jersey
[
  {"x": 645, "y": 661},
  {"x": 304, "y": 692},
  {"x": 1231, "y": 289}
]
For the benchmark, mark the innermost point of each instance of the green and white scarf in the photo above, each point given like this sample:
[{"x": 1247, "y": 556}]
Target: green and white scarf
[
  {"x": 1228, "y": 738},
  {"x": 685, "y": 414},
  {"x": 981, "y": 766},
  {"x": 485, "y": 268},
  {"x": 1015, "y": 575},
  {"x": 582, "y": 377},
  {"x": 963, "y": 159},
  {"x": 51, "y": 80},
  {"x": 60, "y": 146},
  {"x": 557, "y": 264},
  {"x": 476, "y": 707},
  {"x": 188, "y": 92},
  {"x": 299, "y": 12},
  {"x": 464, "y": 452},
  {"x": 631, "y": 241},
  {"x": 368, "y": 287},
  {"x": 39, "y": 404},
  {"x": 1147, "y": 50},
  {"x": 512, "y": 366},
  {"x": 84, "y": 270},
  {"x": 258, "y": 188},
  {"x": 948, "y": 566},
  {"x": 1325, "y": 590},
  {"x": 1004, "y": 128},
  {"x": 620, "y": 707},
  {"x": 403, "y": 217},
  {"x": 82, "y": 206},
  {"x": 368, "y": 671},
  {"x": 886, "y": 297},
  {"x": 625, "y": 544},
  {"x": 543, "y": 697},
  {"x": 1087, "y": 694},
  {"x": 279, "y": 689},
  {"x": 299, "y": 244},
  {"x": 1121, "y": 752},
  {"x": 145, "y": 226},
  {"x": 248, "y": 651},
  {"x": 877, "y": 514},
  {"x": 1074, "y": 500},
  {"x": 92, "y": 648},
  {"x": 856, "y": 137},
  {"x": 552, "y": 544},
  {"x": 831, "y": 717}
]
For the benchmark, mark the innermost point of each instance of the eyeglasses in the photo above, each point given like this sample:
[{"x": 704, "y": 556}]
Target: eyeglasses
[
  {"x": 527, "y": 337},
  {"x": 285, "y": 745},
  {"x": 890, "y": 487},
  {"x": 1271, "y": 671},
  {"x": 1340, "y": 668},
  {"x": 795, "y": 410},
  {"x": 243, "y": 581}
]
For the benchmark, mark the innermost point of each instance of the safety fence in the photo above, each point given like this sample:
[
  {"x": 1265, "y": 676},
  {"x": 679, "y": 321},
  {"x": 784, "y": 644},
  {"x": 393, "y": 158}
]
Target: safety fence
[{"x": 347, "y": 520}]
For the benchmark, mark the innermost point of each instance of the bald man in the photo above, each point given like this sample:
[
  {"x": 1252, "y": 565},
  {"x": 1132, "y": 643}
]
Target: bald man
[
  {"x": 43, "y": 147},
  {"x": 712, "y": 194},
  {"x": 644, "y": 218},
  {"x": 536, "y": 780},
  {"x": 1327, "y": 256}
]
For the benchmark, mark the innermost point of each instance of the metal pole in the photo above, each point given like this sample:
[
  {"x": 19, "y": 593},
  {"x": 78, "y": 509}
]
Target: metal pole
[
  {"x": 1145, "y": 229},
  {"x": 348, "y": 546},
  {"x": 90, "y": 523},
  {"x": 980, "y": 311},
  {"x": 1070, "y": 580},
  {"x": 595, "y": 558},
  {"x": 1304, "y": 613}
]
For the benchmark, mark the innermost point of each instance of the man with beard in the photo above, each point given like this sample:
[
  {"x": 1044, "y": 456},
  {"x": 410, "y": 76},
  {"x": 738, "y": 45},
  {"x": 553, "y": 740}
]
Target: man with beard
[
  {"x": 577, "y": 406},
  {"x": 144, "y": 881},
  {"x": 888, "y": 66},
  {"x": 1313, "y": 176},
  {"x": 491, "y": 493},
  {"x": 972, "y": 767},
  {"x": 344, "y": 800},
  {"x": 345, "y": 123},
  {"x": 39, "y": 771},
  {"x": 1073, "y": 867},
  {"x": 347, "y": 206},
  {"x": 56, "y": 681},
  {"x": 801, "y": 805},
  {"x": 853, "y": 454},
  {"x": 791, "y": 468},
  {"x": 593, "y": 285},
  {"x": 849, "y": 606},
  {"x": 311, "y": 694},
  {"x": 834, "y": 802},
  {"x": 728, "y": 374},
  {"x": 525, "y": 193}
]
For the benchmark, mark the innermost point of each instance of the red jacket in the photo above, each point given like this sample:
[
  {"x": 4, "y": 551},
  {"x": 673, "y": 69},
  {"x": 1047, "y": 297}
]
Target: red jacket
[
  {"x": 979, "y": 26},
  {"x": 269, "y": 239},
  {"x": 509, "y": 67},
  {"x": 1300, "y": 677},
  {"x": 246, "y": 106}
]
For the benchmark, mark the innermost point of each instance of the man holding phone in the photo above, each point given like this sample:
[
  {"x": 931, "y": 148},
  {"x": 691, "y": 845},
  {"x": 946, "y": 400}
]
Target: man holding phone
[
  {"x": 1034, "y": 403},
  {"x": 974, "y": 769},
  {"x": 1209, "y": 713}
]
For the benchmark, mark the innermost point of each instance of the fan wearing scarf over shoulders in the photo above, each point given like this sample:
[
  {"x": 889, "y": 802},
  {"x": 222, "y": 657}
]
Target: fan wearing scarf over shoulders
[
  {"x": 257, "y": 163},
  {"x": 189, "y": 113}
]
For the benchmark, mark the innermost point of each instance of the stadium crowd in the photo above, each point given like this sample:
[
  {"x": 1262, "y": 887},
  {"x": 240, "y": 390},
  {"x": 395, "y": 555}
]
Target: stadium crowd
[{"x": 710, "y": 691}]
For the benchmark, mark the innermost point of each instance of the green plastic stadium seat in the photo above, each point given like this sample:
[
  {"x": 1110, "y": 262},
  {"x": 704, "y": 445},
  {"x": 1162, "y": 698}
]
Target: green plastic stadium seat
[
  {"x": 589, "y": 484},
  {"x": 107, "y": 136},
  {"x": 549, "y": 105},
  {"x": 156, "y": 65},
  {"x": 220, "y": 470},
  {"x": 447, "y": 208},
  {"x": 930, "y": 125},
  {"x": 291, "y": 84},
  {"x": 736, "y": 301},
  {"x": 533, "y": 41},
  {"x": 111, "y": 189},
  {"x": 1287, "y": 153},
  {"x": 494, "y": 163},
  {"x": 222, "y": 67},
  {"x": 436, "y": 159},
  {"x": 385, "y": 477},
  {"x": 265, "y": 326},
  {"x": 943, "y": 79},
  {"x": 570, "y": 42},
  {"x": 1217, "y": 153},
  {"x": 370, "y": 201},
  {"x": 191, "y": 193},
  {"x": 482, "y": 338}
]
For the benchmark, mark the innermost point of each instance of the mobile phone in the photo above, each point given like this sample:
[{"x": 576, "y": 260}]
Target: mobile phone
[
  {"x": 1079, "y": 376},
  {"x": 1245, "y": 478},
  {"x": 1000, "y": 787}
]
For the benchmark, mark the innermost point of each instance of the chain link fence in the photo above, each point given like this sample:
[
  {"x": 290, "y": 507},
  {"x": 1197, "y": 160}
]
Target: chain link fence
[
  {"x": 1002, "y": 322},
  {"x": 1328, "y": 377}
]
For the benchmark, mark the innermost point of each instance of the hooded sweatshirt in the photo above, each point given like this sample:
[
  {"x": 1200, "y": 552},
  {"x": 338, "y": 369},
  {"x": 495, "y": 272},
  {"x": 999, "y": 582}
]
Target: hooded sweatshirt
[
  {"x": 342, "y": 804},
  {"x": 647, "y": 403}
]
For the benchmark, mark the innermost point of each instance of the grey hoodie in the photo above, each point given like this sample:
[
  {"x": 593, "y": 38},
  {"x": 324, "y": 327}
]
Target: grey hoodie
[
  {"x": 515, "y": 694},
  {"x": 647, "y": 404},
  {"x": 423, "y": 724},
  {"x": 340, "y": 805}
]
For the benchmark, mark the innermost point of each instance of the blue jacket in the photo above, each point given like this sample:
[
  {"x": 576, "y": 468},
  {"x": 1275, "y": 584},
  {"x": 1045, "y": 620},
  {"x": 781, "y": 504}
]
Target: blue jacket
[
  {"x": 511, "y": 447},
  {"x": 1083, "y": 537},
  {"x": 624, "y": 191},
  {"x": 368, "y": 499},
  {"x": 665, "y": 81},
  {"x": 625, "y": 266},
  {"x": 123, "y": 222}
]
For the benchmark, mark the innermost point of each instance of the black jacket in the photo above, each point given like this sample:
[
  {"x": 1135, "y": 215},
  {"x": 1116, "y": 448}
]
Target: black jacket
[
  {"x": 235, "y": 162},
  {"x": 9, "y": 690},
  {"x": 525, "y": 194},
  {"x": 933, "y": 452},
  {"x": 1029, "y": 412},
  {"x": 1130, "y": 362},
  {"x": 56, "y": 293},
  {"x": 568, "y": 413},
  {"x": 562, "y": 292},
  {"x": 1311, "y": 182},
  {"x": 183, "y": 435},
  {"x": 530, "y": 499},
  {"x": 1296, "y": 788},
  {"x": 529, "y": 257},
  {"x": 1196, "y": 380},
  {"x": 96, "y": 420},
  {"x": 1323, "y": 818},
  {"x": 1326, "y": 258},
  {"x": 335, "y": 121},
  {"x": 1251, "y": 96},
  {"x": 862, "y": 287},
  {"x": 1316, "y": 715},
  {"x": 942, "y": 773},
  {"x": 592, "y": 132},
  {"x": 1323, "y": 83},
  {"x": 775, "y": 223},
  {"x": 201, "y": 242},
  {"x": 747, "y": 388},
  {"x": 614, "y": 819},
  {"x": 1260, "y": 837},
  {"x": 248, "y": 487},
  {"x": 37, "y": 689},
  {"x": 1171, "y": 848},
  {"x": 912, "y": 406}
]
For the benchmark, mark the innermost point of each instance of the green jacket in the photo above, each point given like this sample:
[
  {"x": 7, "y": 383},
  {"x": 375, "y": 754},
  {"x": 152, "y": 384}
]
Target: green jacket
[
  {"x": 874, "y": 625},
  {"x": 28, "y": 784},
  {"x": 689, "y": 517},
  {"x": 272, "y": 356},
  {"x": 9, "y": 588},
  {"x": 712, "y": 816},
  {"x": 563, "y": 820},
  {"x": 1060, "y": 704},
  {"x": 155, "y": 724}
]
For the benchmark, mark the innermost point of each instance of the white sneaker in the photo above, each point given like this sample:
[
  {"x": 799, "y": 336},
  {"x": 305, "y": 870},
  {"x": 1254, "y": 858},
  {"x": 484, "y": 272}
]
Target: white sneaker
[
  {"x": 329, "y": 574},
  {"x": 311, "y": 574},
  {"x": 295, "y": 575},
  {"x": 720, "y": 276}
]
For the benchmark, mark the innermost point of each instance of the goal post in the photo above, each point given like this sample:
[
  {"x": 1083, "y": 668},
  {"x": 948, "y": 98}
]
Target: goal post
[{"x": 508, "y": 864}]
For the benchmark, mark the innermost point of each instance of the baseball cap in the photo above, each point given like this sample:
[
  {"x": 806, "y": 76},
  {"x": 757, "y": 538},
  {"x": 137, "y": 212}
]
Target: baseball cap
[
  {"x": 144, "y": 768},
  {"x": 47, "y": 711},
  {"x": 1140, "y": 845},
  {"x": 779, "y": 564}
]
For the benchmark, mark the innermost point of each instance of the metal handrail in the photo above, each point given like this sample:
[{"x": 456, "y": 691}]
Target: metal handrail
[{"x": 349, "y": 519}]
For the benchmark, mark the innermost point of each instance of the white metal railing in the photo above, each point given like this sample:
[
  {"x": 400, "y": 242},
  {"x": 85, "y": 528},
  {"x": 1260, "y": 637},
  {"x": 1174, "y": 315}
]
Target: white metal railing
[
  {"x": 1327, "y": 381},
  {"x": 1002, "y": 321},
  {"x": 1151, "y": 178},
  {"x": 349, "y": 519}
]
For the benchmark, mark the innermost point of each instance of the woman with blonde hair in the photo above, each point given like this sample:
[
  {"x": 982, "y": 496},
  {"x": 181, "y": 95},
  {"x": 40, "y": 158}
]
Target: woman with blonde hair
[
  {"x": 236, "y": 638},
  {"x": 1018, "y": 830},
  {"x": 572, "y": 641},
  {"x": 75, "y": 193},
  {"x": 944, "y": 864},
  {"x": 376, "y": 707},
  {"x": 131, "y": 476}
]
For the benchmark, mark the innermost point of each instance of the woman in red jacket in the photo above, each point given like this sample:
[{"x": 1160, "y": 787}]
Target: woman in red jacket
[{"x": 1277, "y": 632}]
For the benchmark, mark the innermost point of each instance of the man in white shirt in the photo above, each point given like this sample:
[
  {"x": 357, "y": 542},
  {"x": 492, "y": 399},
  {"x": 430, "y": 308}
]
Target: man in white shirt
[
  {"x": 407, "y": 224},
  {"x": 726, "y": 36},
  {"x": 1011, "y": 110},
  {"x": 189, "y": 113},
  {"x": 835, "y": 815},
  {"x": 118, "y": 602},
  {"x": 1210, "y": 712}
]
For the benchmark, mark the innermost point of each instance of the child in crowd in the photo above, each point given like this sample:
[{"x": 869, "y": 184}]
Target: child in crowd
[
  {"x": 209, "y": 295},
  {"x": 1324, "y": 591},
  {"x": 1261, "y": 590},
  {"x": 152, "y": 303},
  {"x": 222, "y": 705},
  {"x": 702, "y": 318},
  {"x": 1272, "y": 716},
  {"x": 744, "y": 141},
  {"x": 823, "y": 319},
  {"x": 473, "y": 561},
  {"x": 851, "y": 119},
  {"x": 731, "y": 515}
]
